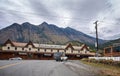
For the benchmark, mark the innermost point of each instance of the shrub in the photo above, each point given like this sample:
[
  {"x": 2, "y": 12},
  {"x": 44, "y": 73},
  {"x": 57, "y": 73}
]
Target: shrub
[
  {"x": 117, "y": 63},
  {"x": 103, "y": 61},
  {"x": 85, "y": 59}
]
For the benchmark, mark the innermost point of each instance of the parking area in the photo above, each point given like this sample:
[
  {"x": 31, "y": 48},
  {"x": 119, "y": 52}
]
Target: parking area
[{"x": 44, "y": 68}]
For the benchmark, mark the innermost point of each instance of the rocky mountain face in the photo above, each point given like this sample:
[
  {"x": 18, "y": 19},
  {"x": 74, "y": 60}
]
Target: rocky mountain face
[{"x": 44, "y": 33}]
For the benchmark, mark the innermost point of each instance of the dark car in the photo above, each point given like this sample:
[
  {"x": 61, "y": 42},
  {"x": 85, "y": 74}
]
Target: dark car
[{"x": 57, "y": 56}]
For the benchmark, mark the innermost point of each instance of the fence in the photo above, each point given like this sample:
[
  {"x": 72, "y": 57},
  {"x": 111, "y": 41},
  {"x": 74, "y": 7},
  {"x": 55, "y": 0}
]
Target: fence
[{"x": 106, "y": 58}]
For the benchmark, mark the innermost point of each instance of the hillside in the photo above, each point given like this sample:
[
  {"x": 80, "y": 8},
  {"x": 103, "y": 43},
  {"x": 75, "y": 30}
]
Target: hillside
[
  {"x": 44, "y": 33},
  {"x": 110, "y": 43}
]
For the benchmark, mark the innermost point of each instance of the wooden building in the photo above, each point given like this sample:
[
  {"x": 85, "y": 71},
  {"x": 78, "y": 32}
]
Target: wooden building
[
  {"x": 42, "y": 51},
  {"x": 112, "y": 51}
]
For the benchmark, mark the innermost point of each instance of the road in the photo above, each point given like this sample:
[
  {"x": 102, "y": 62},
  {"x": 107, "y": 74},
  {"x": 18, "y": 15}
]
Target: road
[{"x": 45, "y": 68}]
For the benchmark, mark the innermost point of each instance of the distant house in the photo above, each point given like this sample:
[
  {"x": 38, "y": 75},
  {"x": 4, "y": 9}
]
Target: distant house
[
  {"x": 42, "y": 51},
  {"x": 112, "y": 51}
]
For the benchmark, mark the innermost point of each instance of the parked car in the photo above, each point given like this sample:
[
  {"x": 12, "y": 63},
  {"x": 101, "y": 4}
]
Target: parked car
[
  {"x": 60, "y": 56},
  {"x": 15, "y": 58},
  {"x": 64, "y": 58}
]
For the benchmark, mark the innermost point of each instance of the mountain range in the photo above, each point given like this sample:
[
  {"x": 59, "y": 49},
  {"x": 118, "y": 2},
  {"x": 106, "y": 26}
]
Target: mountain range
[
  {"x": 110, "y": 43},
  {"x": 44, "y": 33}
]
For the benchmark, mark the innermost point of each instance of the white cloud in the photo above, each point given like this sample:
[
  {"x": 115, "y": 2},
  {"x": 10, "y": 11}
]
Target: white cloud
[{"x": 78, "y": 14}]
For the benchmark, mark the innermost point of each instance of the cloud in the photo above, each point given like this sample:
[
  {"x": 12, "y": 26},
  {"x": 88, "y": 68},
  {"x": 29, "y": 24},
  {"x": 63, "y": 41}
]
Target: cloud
[
  {"x": 109, "y": 20},
  {"x": 78, "y": 14}
]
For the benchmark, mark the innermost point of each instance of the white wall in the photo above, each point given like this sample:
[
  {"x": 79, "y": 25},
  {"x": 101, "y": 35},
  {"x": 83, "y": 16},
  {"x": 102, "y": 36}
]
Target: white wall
[{"x": 106, "y": 58}]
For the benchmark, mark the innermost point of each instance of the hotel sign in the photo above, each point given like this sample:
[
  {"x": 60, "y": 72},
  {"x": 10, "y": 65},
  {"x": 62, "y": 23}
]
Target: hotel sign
[{"x": 22, "y": 53}]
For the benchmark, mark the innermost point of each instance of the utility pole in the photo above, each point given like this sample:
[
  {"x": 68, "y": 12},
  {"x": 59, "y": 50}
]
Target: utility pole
[
  {"x": 30, "y": 39},
  {"x": 96, "y": 43}
]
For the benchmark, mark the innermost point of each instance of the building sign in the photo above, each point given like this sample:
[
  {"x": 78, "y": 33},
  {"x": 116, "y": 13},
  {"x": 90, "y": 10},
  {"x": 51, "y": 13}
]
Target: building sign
[
  {"x": 22, "y": 53},
  {"x": 47, "y": 54}
]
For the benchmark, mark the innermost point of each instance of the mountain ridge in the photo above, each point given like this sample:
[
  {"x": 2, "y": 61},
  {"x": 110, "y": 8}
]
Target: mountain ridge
[{"x": 44, "y": 33}]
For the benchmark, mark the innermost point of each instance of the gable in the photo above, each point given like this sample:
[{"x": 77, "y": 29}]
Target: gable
[
  {"x": 69, "y": 46},
  {"x": 85, "y": 47},
  {"x": 29, "y": 43},
  {"x": 8, "y": 42}
]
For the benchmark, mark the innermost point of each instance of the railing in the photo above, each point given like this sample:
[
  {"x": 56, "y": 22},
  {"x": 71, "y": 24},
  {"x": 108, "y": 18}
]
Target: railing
[{"x": 106, "y": 58}]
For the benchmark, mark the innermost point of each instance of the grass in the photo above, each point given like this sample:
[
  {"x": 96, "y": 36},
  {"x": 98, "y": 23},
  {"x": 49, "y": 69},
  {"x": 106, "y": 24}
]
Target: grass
[{"x": 105, "y": 70}]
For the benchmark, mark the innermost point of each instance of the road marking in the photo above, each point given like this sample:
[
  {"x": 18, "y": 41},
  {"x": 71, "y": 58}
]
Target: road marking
[{"x": 9, "y": 65}]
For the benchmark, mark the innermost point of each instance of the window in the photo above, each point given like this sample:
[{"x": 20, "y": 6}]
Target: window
[
  {"x": 108, "y": 50},
  {"x": 8, "y": 48},
  {"x": 45, "y": 50},
  {"x": 51, "y": 50},
  {"x": 116, "y": 49},
  {"x": 29, "y": 48},
  {"x": 57, "y": 50},
  {"x": 38, "y": 49},
  {"x": 15, "y": 48},
  {"x": 22, "y": 48}
]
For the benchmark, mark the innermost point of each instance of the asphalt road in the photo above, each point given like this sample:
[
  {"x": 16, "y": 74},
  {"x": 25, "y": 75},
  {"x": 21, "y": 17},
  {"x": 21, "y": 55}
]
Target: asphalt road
[{"x": 45, "y": 68}]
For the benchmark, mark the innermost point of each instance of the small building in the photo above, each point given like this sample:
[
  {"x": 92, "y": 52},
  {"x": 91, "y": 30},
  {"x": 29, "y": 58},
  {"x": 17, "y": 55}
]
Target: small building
[
  {"x": 42, "y": 51},
  {"x": 112, "y": 51}
]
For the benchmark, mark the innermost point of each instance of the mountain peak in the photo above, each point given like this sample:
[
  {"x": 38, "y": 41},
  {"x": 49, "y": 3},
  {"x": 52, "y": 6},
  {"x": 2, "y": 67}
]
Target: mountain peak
[
  {"x": 26, "y": 23},
  {"x": 68, "y": 28},
  {"x": 15, "y": 24},
  {"x": 44, "y": 23}
]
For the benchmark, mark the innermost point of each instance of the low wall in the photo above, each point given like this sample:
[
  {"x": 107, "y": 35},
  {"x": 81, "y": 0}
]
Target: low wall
[{"x": 106, "y": 58}]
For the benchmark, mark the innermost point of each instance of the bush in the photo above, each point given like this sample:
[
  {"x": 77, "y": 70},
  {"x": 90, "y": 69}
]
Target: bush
[
  {"x": 85, "y": 59},
  {"x": 103, "y": 61},
  {"x": 118, "y": 63}
]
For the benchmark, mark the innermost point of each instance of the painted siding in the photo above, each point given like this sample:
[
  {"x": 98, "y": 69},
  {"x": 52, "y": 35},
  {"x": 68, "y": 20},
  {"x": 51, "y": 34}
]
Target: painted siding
[
  {"x": 69, "y": 50},
  {"x": 75, "y": 51},
  {"x": 42, "y": 50},
  {"x": 54, "y": 50},
  {"x": 48, "y": 50},
  {"x": 61, "y": 51},
  {"x": 18, "y": 49}
]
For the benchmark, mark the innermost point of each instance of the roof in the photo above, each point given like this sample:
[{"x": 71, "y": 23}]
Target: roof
[
  {"x": 69, "y": 46},
  {"x": 19, "y": 44},
  {"x": 8, "y": 41},
  {"x": 30, "y": 43},
  {"x": 49, "y": 46}
]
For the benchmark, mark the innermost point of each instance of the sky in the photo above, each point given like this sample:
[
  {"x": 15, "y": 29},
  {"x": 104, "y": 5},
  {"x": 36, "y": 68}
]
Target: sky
[{"x": 77, "y": 14}]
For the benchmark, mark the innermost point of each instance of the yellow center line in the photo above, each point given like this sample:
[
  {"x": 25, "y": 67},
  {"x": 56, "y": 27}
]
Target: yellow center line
[{"x": 9, "y": 65}]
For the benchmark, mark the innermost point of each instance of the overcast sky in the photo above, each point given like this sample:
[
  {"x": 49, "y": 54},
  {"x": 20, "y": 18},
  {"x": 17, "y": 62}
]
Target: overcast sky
[{"x": 77, "y": 14}]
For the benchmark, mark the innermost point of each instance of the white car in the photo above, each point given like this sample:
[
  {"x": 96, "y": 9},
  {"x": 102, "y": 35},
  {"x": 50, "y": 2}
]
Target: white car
[
  {"x": 64, "y": 58},
  {"x": 16, "y": 58}
]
